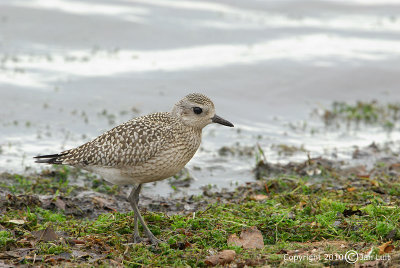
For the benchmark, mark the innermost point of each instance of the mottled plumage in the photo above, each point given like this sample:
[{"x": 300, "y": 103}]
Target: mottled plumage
[{"x": 144, "y": 149}]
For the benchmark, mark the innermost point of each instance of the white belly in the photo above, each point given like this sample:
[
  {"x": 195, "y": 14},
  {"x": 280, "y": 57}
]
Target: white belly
[
  {"x": 112, "y": 175},
  {"x": 137, "y": 174}
]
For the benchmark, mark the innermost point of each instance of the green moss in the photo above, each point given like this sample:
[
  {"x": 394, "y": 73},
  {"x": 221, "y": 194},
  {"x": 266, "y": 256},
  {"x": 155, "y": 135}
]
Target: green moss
[
  {"x": 364, "y": 112},
  {"x": 48, "y": 182},
  {"x": 332, "y": 205},
  {"x": 102, "y": 186},
  {"x": 6, "y": 238},
  {"x": 296, "y": 215},
  {"x": 48, "y": 248},
  {"x": 48, "y": 215},
  {"x": 188, "y": 239}
]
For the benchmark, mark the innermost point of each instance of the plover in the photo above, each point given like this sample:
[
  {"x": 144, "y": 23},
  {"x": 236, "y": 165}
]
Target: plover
[{"x": 144, "y": 149}]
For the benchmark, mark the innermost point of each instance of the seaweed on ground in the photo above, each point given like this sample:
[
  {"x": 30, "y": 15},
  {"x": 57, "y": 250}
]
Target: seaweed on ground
[{"x": 309, "y": 213}]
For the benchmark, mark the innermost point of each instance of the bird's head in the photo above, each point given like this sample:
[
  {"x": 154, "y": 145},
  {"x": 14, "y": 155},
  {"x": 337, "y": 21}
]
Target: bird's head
[{"x": 197, "y": 110}]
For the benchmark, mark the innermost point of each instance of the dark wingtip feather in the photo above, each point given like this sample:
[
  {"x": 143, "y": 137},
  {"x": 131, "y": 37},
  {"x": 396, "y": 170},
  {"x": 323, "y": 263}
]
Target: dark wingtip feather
[
  {"x": 49, "y": 159},
  {"x": 48, "y": 156}
]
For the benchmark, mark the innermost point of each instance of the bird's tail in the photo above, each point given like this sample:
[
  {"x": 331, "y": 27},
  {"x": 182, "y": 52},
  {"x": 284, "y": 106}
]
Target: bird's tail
[{"x": 50, "y": 158}]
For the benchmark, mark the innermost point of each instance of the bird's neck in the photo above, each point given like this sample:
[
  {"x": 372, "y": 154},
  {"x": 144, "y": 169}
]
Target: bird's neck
[{"x": 176, "y": 111}]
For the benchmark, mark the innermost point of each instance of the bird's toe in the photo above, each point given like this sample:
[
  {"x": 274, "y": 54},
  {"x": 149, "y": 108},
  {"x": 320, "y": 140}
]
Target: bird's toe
[
  {"x": 155, "y": 241},
  {"x": 137, "y": 239}
]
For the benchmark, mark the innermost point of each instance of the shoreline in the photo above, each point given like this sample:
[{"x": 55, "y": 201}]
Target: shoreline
[{"x": 323, "y": 202}]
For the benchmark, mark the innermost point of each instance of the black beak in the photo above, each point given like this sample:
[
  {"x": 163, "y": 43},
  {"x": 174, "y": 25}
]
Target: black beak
[{"x": 220, "y": 120}]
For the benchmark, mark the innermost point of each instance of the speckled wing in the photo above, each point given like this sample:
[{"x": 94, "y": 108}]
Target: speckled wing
[{"x": 128, "y": 144}]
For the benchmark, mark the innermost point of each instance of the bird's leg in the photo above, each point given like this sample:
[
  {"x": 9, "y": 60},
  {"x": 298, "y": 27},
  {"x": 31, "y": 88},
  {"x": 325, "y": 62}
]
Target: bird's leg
[
  {"x": 135, "y": 193},
  {"x": 134, "y": 198},
  {"x": 136, "y": 235}
]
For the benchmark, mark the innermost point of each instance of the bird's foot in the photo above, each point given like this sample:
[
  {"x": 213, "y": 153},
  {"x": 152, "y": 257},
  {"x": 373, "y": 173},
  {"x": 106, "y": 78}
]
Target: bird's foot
[
  {"x": 137, "y": 239},
  {"x": 155, "y": 241}
]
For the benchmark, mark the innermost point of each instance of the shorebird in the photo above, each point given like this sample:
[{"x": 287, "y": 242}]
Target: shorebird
[{"x": 144, "y": 149}]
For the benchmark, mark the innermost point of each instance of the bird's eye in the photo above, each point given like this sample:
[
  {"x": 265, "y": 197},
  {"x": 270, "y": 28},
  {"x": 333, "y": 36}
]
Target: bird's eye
[{"x": 197, "y": 110}]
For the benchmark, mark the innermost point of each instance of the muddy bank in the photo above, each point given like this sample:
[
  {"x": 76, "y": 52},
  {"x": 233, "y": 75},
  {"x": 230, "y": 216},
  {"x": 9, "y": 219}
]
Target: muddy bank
[
  {"x": 58, "y": 92},
  {"x": 47, "y": 219},
  {"x": 83, "y": 195}
]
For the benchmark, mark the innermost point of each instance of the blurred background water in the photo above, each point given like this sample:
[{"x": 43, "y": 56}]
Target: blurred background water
[{"x": 70, "y": 70}]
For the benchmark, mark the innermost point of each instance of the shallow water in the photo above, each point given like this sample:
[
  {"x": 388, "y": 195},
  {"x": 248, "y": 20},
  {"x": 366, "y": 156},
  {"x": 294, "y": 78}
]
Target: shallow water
[{"x": 70, "y": 70}]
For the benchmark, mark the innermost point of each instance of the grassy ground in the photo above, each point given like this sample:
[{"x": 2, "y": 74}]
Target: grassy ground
[
  {"x": 311, "y": 210},
  {"x": 317, "y": 213}
]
